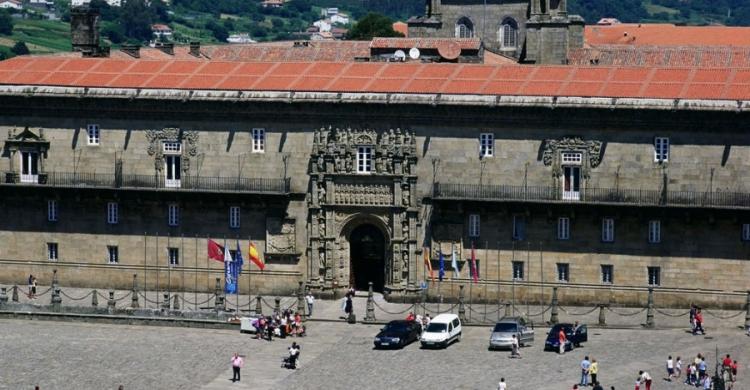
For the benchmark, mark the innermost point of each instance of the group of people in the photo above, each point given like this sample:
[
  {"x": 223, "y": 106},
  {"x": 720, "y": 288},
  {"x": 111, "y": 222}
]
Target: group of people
[
  {"x": 696, "y": 373},
  {"x": 280, "y": 325},
  {"x": 590, "y": 368},
  {"x": 422, "y": 320},
  {"x": 32, "y": 287}
]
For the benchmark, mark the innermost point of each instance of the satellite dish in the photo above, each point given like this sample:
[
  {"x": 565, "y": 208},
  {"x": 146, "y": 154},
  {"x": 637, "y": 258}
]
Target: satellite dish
[
  {"x": 399, "y": 55},
  {"x": 414, "y": 53}
]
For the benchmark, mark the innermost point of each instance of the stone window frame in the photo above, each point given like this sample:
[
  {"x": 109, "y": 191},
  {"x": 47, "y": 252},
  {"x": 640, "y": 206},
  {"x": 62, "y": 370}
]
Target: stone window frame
[
  {"x": 113, "y": 254},
  {"x": 486, "y": 145},
  {"x": 53, "y": 210},
  {"x": 607, "y": 273},
  {"x": 745, "y": 232},
  {"x": 507, "y": 34},
  {"x": 93, "y": 134},
  {"x": 234, "y": 217},
  {"x": 519, "y": 220},
  {"x": 661, "y": 149},
  {"x": 654, "y": 231},
  {"x": 474, "y": 225},
  {"x": 563, "y": 228},
  {"x": 464, "y": 27},
  {"x": 173, "y": 214},
  {"x": 173, "y": 256},
  {"x": 53, "y": 252},
  {"x": 517, "y": 269},
  {"x": 36, "y": 164},
  {"x": 259, "y": 140},
  {"x": 563, "y": 272},
  {"x": 654, "y": 275},
  {"x": 113, "y": 213},
  {"x": 608, "y": 230}
]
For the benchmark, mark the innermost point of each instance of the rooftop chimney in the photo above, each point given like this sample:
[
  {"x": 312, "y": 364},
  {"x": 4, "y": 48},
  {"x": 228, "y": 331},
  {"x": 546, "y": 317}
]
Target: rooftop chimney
[
  {"x": 167, "y": 48},
  {"x": 131, "y": 50},
  {"x": 195, "y": 48},
  {"x": 84, "y": 31}
]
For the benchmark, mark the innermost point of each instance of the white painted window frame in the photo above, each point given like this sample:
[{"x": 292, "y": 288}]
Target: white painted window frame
[
  {"x": 93, "y": 134},
  {"x": 607, "y": 277},
  {"x": 486, "y": 145},
  {"x": 173, "y": 256},
  {"x": 563, "y": 272},
  {"x": 113, "y": 254},
  {"x": 259, "y": 140},
  {"x": 661, "y": 149},
  {"x": 654, "y": 276},
  {"x": 364, "y": 159},
  {"x": 53, "y": 253}
]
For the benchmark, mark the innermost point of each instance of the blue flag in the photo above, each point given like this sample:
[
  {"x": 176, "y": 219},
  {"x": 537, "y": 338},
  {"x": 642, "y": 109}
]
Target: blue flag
[
  {"x": 232, "y": 270},
  {"x": 441, "y": 273}
]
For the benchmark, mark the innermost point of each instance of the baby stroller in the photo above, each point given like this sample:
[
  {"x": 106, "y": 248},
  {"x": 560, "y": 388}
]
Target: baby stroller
[{"x": 290, "y": 361}]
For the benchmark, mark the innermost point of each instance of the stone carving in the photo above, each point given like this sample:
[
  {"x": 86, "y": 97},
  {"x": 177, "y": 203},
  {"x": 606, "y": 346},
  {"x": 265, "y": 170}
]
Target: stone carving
[
  {"x": 591, "y": 148},
  {"x": 281, "y": 236},
  {"x": 188, "y": 140},
  {"x": 363, "y": 194}
]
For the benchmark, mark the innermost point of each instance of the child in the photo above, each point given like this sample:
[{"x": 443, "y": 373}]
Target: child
[
  {"x": 678, "y": 367},
  {"x": 638, "y": 383}
]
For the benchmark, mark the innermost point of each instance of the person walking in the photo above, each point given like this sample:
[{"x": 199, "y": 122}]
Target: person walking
[
  {"x": 699, "y": 323},
  {"x": 310, "y": 300},
  {"x": 502, "y": 385},
  {"x": 348, "y": 305},
  {"x": 670, "y": 368},
  {"x": 514, "y": 347},
  {"x": 31, "y": 286},
  {"x": 594, "y": 371},
  {"x": 237, "y": 363},
  {"x": 645, "y": 378},
  {"x": 561, "y": 338},
  {"x": 585, "y": 366},
  {"x": 678, "y": 367}
]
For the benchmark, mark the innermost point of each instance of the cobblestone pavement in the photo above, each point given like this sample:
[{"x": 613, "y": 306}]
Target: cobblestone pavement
[{"x": 57, "y": 355}]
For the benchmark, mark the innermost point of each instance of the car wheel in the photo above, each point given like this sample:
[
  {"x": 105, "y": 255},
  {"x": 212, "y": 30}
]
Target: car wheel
[{"x": 458, "y": 339}]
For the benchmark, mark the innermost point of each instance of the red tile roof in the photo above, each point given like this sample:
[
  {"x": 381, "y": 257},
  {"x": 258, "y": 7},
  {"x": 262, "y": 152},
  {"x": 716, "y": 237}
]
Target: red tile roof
[
  {"x": 666, "y": 35},
  {"x": 425, "y": 43},
  {"x": 670, "y": 56},
  {"x": 430, "y": 78}
]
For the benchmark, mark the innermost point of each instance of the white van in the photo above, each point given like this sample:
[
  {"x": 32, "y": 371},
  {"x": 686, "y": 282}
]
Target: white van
[{"x": 442, "y": 330}]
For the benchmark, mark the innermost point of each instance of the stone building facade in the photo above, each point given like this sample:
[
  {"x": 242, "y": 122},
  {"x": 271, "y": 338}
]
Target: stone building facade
[{"x": 596, "y": 198}]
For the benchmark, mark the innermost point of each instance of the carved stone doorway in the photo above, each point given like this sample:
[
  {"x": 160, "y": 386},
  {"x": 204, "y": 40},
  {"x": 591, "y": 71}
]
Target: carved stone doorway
[{"x": 367, "y": 254}]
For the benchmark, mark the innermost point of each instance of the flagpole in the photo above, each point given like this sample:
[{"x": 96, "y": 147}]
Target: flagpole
[
  {"x": 472, "y": 271},
  {"x": 513, "y": 279},
  {"x": 486, "y": 298},
  {"x": 497, "y": 285},
  {"x": 182, "y": 254},
  {"x": 195, "y": 291},
  {"x": 208, "y": 272},
  {"x": 156, "y": 260},
  {"x": 145, "y": 255},
  {"x": 528, "y": 279},
  {"x": 237, "y": 281},
  {"x": 249, "y": 276},
  {"x": 440, "y": 279},
  {"x": 169, "y": 269},
  {"x": 541, "y": 279}
]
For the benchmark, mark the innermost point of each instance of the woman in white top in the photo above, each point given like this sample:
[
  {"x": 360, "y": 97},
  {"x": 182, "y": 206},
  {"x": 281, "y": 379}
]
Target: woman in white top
[{"x": 502, "y": 385}]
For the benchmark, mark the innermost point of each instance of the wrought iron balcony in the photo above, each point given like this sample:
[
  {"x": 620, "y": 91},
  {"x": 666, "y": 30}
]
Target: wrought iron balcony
[
  {"x": 615, "y": 196},
  {"x": 158, "y": 182}
]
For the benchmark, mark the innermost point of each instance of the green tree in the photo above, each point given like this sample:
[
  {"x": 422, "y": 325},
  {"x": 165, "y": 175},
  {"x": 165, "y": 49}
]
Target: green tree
[
  {"x": 277, "y": 23},
  {"x": 20, "y": 48},
  {"x": 136, "y": 20},
  {"x": 6, "y": 23},
  {"x": 219, "y": 31},
  {"x": 373, "y": 25}
]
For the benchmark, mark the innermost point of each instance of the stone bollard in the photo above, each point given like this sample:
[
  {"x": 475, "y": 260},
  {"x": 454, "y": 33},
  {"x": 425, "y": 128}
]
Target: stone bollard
[
  {"x": 370, "y": 313},
  {"x": 3, "y": 295},
  {"x": 134, "y": 297},
  {"x": 553, "y": 317},
  {"x": 55, "y": 282},
  {"x": 176, "y": 303},
  {"x": 747, "y": 315},
  {"x": 650, "y": 309},
  {"x": 301, "y": 301},
  {"x": 14, "y": 298},
  {"x": 111, "y": 301},
  {"x": 258, "y": 306},
  {"x": 602, "y": 319},
  {"x": 166, "y": 303},
  {"x": 461, "y": 308},
  {"x": 277, "y": 305},
  {"x": 219, "y": 303},
  {"x": 94, "y": 299}
]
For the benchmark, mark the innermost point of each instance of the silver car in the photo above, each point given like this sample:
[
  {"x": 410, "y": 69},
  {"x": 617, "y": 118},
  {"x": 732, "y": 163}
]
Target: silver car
[{"x": 502, "y": 333}]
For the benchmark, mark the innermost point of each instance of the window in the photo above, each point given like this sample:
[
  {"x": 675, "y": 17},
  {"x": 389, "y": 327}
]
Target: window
[
  {"x": 486, "y": 145},
  {"x": 113, "y": 254},
  {"x": 259, "y": 140},
  {"x": 234, "y": 217},
  {"x": 746, "y": 232},
  {"x": 364, "y": 159},
  {"x": 608, "y": 230},
  {"x": 93, "y": 134},
  {"x": 464, "y": 28},
  {"x": 52, "y": 251},
  {"x": 654, "y": 232},
  {"x": 172, "y": 164},
  {"x": 661, "y": 149},
  {"x": 519, "y": 227},
  {"x": 569, "y": 158},
  {"x": 563, "y": 228},
  {"x": 571, "y": 166},
  {"x": 563, "y": 272},
  {"x": 52, "y": 210},
  {"x": 29, "y": 166},
  {"x": 174, "y": 256},
  {"x": 113, "y": 214},
  {"x": 474, "y": 225},
  {"x": 173, "y": 215},
  {"x": 607, "y": 273},
  {"x": 654, "y": 276},
  {"x": 172, "y": 147},
  {"x": 508, "y": 34},
  {"x": 518, "y": 270}
]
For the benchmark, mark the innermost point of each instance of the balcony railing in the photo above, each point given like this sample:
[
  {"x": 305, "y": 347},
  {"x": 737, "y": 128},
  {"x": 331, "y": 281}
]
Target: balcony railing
[
  {"x": 592, "y": 195},
  {"x": 158, "y": 182}
]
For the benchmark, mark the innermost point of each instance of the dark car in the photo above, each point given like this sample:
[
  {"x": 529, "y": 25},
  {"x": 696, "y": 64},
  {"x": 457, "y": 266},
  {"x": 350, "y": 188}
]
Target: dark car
[
  {"x": 398, "y": 334},
  {"x": 574, "y": 339}
]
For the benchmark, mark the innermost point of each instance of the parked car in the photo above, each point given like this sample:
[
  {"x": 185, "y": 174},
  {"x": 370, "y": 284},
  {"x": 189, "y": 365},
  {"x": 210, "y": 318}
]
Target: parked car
[
  {"x": 574, "y": 339},
  {"x": 442, "y": 331},
  {"x": 502, "y": 333},
  {"x": 398, "y": 334}
]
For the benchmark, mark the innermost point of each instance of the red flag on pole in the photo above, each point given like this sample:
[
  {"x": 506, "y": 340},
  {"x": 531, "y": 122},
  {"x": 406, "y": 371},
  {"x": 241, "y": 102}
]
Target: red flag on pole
[
  {"x": 428, "y": 263},
  {"x": 215, "y": 251},
  {"x": 474, "y": 273}
]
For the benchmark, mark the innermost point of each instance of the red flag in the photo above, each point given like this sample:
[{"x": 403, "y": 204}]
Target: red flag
[
  {"x": 215, "y": 251},
  {"x": 428, "y": 263},
  {"x": 474, "y": 273}
]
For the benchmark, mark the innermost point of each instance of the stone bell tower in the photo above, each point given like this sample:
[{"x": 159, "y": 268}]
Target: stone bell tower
[{"x": 551, "y": 33}]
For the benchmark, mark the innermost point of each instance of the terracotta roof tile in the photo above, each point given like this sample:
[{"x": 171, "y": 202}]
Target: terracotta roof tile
[
  {"x": 707, "y": 90},
  {"x": 252, "y": 68},
  {"x": 148, "y": 66},
  {"x": 349, "y": 84},
  {"x": 503, "y": 87},
  {"x": 400, "y": 70},
  {"x": 540, "y": 88},
  {"x": 436, "y": 72},
  {"x": 582, "y": 89},
  {"x": 112, "y": 66},
  {"x": 738, "y": 92},
  {"x": 621, "y": 89},
  {"x": 363, "y": 70},
  {"x": 666, "y": 34},
  {"x": 166, "y": 81},
  {"x": 462, "y": 86},
  {"x": 218, "y": 68},
  {"x": 669, "y": 75},
  {"x": 95, "y": 79},
  {"x": 312, "y": 83},
  {"x": 238, "y": 82},
  {"x": 476, "y": 72},
  {"x": 388, "y": 85},
  {"x": 426, "y": 86},
  {"x": 181, "y": 67},
  {"x": 664, "y": 90},
  {"x": 424, "y": 43},
  {"x": 26, "y": 77},
  {"x": 290, "y": 69},
  {"x": 129, "y": 80},
  {"x": 202, "y": 82},
  {"x": 275, "y": 83},
  {"x": 42, "y": 65}
]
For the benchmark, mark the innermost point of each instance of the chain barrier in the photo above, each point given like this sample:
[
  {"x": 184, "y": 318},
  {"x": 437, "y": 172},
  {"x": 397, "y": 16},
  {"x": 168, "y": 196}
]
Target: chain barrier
[
  {"x": 76, "y": 299},
  {"x": 450, "y": 309},
  {"x": 410, "y": 308},
  {"x": 187, "y": 301},
  {"x": 724, "y": 317},
  {"x": 482, "y": 312},
  {"x": 662, "y": 312},
  {"x": 538, "y": 314},
  {"x": 41, "y": 293},
  {"x": 627, "y": 314},
  {"x": 578, "y": 314},
  {"x": 144, "y": 298}
]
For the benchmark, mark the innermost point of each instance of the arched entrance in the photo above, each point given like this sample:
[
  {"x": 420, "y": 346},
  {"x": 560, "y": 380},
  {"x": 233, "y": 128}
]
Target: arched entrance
[{"x": 367, "y": 254}]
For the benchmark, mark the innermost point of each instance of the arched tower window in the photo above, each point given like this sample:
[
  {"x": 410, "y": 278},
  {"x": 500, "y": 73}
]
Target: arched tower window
[
  {"x": 507, "y": 35},
  {"x": 464, "y": 28}
]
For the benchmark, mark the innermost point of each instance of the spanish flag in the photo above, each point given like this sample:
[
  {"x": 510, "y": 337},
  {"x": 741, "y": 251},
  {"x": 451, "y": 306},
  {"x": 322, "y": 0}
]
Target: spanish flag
[
  {"x": 428, "y": 263},
  {"x": 255, "y": 257}
]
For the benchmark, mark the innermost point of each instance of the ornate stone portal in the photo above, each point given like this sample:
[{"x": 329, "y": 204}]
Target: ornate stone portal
[
  {"x": 590, "y": 150},
  {"x": 357, "y": 177},
  {"x": 188, "y": 139}
]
